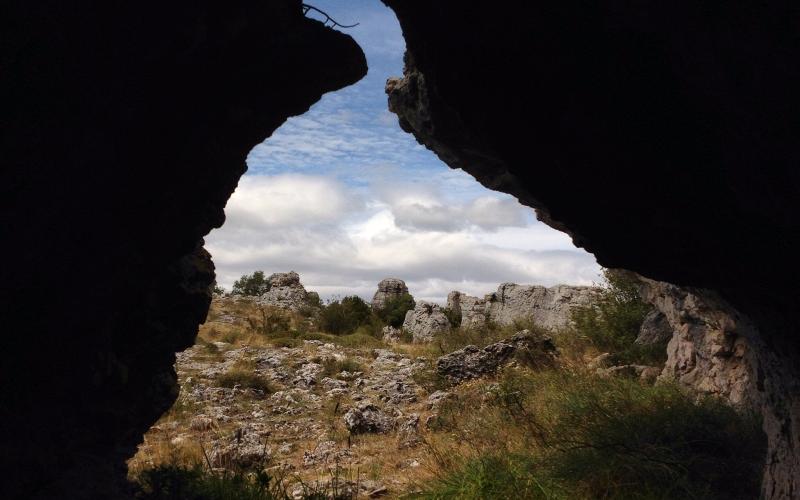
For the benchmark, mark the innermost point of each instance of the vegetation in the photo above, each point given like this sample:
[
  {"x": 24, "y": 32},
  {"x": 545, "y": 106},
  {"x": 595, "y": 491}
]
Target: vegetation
[
  {"x": 560, "y": 434},
  {"x": 333, "y": 367},
  {"x": 251, "y": 284},
  {"x": 341, "y": 317},
  {"x": 613, "y": 323},
  {"x": 394, "y": 310},
  {"x": 245, "y": 377},
  {"x": 454, "y": 317}
]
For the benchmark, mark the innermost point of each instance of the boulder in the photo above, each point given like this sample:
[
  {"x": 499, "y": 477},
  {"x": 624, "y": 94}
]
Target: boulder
[
  {"x": 388, "y": 288},
  {"x": 365, "y": 418},
  {"x": 472, "y": 362},
  {"x": 286, "y": 291},
  {"x": 426, "y": 321}
]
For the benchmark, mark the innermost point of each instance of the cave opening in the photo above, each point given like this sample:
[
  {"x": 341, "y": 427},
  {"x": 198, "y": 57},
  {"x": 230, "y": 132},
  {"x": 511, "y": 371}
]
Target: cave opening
[
  {"x": 346, "y": 198},
  {"x": 125, "y": 133}
]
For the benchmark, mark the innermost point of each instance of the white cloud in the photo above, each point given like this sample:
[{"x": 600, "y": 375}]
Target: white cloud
[
  {"x": 261, "y": 202},
  {"x": 311, "y": 225}
]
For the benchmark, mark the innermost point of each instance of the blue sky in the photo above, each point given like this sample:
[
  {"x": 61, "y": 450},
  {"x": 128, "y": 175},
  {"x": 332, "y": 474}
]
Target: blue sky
[{"x": 344, "y": 197}]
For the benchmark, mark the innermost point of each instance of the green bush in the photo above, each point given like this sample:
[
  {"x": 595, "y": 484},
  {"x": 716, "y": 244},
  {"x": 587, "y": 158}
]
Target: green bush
[
  {"x": 394, "y": 310},
  {"x": 560, "y": 435},
  {"x": 286, "y": 342},
  {"x": 613, "y": 322},
  {"x": 245, "y": 379},
  {"x": 345, "y": 316},
  {"x": 251, "y": 284}
]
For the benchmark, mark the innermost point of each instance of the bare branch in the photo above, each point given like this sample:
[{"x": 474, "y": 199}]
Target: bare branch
[{"x": 328, "y": 19}]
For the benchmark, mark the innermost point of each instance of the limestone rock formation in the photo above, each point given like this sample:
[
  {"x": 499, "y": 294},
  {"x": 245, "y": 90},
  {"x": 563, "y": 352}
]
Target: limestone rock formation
[
  {"x": 425, "y": 321},
  {"x": 717, "y": 350},
  {"x": 472, "y": 362},
  {"x": 388, "y": 288},
  {"x": 547, "y": 307},
  {"x": 286, "y": 291}
]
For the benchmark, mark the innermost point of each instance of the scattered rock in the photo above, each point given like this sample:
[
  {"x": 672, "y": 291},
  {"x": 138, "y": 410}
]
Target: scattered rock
[
  {"x": 426, "y": 321},
  {"x": 389, "y": 288},
  {"x": 436, "y": 399},
  {"x": 367, "y": 418},
  {"x": 646, "y": 373},
  {"x": 391, "y": 335},
  {"x": 472, "y": 362}
]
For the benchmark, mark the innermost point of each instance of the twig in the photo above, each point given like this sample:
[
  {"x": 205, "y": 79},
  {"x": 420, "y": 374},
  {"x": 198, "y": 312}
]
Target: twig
[{"x": 307, "y": 8}]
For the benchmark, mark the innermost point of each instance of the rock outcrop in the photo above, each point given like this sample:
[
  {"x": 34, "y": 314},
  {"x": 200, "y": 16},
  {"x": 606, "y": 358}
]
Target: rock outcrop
[
  {"x": 472, "y": 362},
  {"x": 547, "y": 307},
  {"x": 425, "y": 321},
  {"x": 655, "y": 329},
  {"x": 388, "y": 288},
  {"x": 286, "y": 291},
  {"x": 642, "y": 139},
  {"x": 148, "y": 111},
  {"x": 715, "y": 349}
]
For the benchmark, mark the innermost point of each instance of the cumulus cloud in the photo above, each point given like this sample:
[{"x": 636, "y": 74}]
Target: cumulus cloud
[
  {"x": 261, "y": 202},
  {"x": 311, "y": 224}
]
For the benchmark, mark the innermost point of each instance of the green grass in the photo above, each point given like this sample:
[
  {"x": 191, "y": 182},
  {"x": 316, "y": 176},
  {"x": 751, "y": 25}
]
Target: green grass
[{"x": 564, "y": 435}]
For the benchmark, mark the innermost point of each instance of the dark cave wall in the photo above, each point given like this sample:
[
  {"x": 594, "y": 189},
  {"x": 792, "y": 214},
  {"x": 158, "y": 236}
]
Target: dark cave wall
[
  {"x": 662, "y": 137},
  {"x": 125, "y": 127}
]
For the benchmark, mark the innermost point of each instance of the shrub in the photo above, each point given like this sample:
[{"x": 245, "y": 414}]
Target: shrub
[
  {"x": 565, "y": 435},
  {"x": 333, "y": 366},
  {"x": 286, "y": 342},
  {"x": 251, "y": 284},
  {"x": 613, "y": 322},
  {"x": 244, "y": 378},
  {"x": 345, "y": 316},
  {"x": 394, "y": 310},
  {"x": 271, "y": 320}
]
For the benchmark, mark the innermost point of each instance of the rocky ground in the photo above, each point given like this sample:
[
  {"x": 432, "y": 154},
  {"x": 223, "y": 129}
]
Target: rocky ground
[{"x": 309, "y": 413}]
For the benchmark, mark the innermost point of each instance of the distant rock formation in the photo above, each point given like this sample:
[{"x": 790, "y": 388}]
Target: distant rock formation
[
  {"x": 286, "y": 291},
  {"x": 425, "y": 321},
  {"x": 548, "y": 307},
  {"x": 388, "y": 288}
]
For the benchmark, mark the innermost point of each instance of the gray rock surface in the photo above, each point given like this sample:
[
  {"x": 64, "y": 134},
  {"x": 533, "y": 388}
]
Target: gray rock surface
[
  {"x": 366, "y": 417},
  {"x": 547, "y": 307},
  {"x": 716, "y": 349},
  {"x": 426, "y": 321},
  {"x": 473, "y": 362},
  {"x": 655, "y": 329},
  {"x": 287, "y": 292},
  {"x": 391, "y": 335},
  {"x": 388, "y": 288}
]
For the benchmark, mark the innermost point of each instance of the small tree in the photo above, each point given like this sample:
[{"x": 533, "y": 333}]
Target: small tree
[
  {"x": 345, "y": 316},
  {"x": 395, "y": 309},
  {"x": 613, "y": 322},
  {"x": 254, "y": 284}
]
